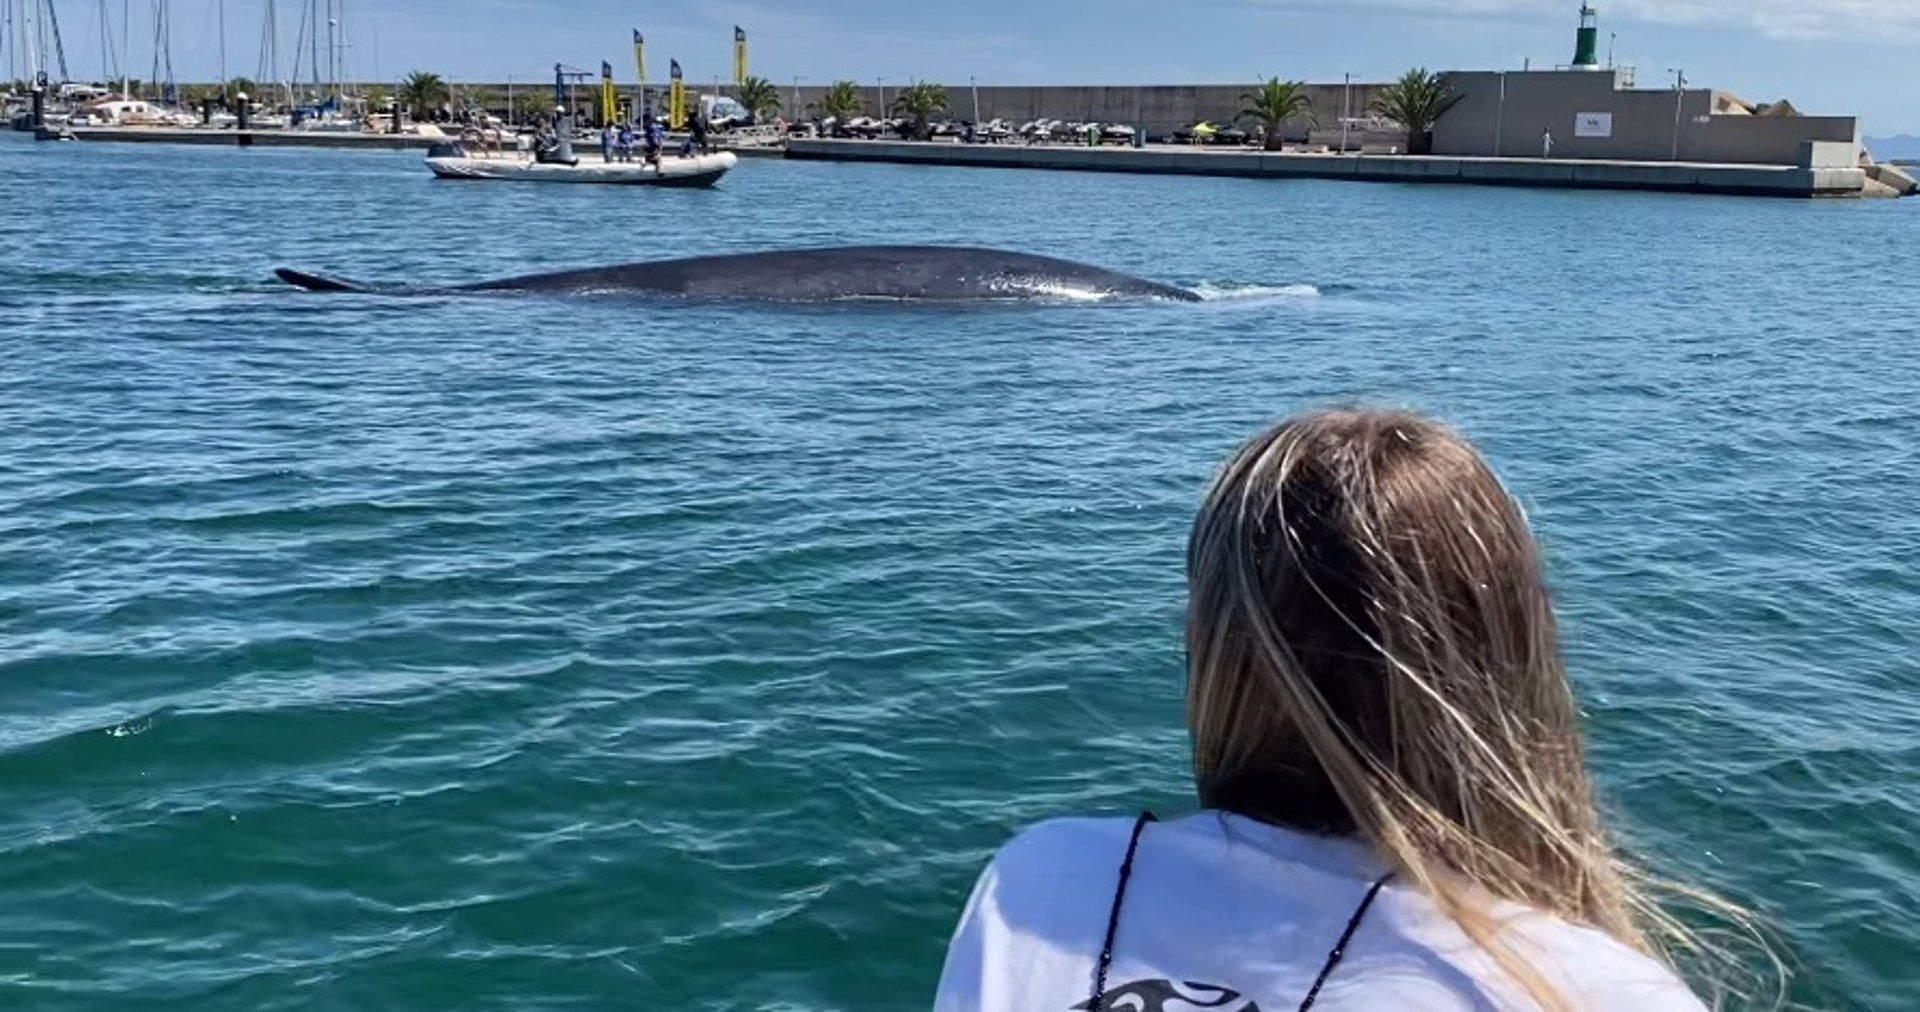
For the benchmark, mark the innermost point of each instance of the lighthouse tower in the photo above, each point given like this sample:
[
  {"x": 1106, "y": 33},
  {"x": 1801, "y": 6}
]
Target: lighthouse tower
[{"x": 1586, "y": 50}]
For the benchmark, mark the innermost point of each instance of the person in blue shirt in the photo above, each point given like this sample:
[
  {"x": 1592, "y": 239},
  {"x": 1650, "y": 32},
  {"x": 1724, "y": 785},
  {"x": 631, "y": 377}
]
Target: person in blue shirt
[
  {"x": 656, "y": 140},
  {"x": 625, "y": 142}
]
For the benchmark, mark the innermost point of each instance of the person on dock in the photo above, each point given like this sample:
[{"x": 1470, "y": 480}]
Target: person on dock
[
  {"x": 1398, "y": 815},
  {"x": 606, "y": 143},
  {"x": 625, "y": 142},
  {"x": 1546, "y": 143}
]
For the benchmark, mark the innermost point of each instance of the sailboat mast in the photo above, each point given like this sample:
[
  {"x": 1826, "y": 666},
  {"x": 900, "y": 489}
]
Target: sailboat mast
[
  {"x": 172, "y": 91},
  {"x": 52, "y": 22},
  {"x": 31, "y": 45},
  {"x": 223, "y": 47},
  {"x": 344, "y": 73},
  {"x": 299, "y": 51}
]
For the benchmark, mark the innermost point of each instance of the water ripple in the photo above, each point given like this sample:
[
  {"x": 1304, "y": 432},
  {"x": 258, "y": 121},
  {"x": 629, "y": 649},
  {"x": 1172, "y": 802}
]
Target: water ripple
[{"x": 512, "y": 653}]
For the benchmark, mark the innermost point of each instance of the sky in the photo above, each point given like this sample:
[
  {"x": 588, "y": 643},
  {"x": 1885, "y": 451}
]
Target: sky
[{"x": 1827, "y": 56}]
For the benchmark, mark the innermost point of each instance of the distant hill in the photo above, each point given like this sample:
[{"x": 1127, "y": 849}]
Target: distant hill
[{"x": 1901, "y": 147}]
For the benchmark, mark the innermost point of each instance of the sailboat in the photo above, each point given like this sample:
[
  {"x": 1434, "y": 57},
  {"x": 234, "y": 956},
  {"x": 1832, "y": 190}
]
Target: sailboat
[
  {"x": 32, "y": 30},
  {"x": 330, "y": 108}
]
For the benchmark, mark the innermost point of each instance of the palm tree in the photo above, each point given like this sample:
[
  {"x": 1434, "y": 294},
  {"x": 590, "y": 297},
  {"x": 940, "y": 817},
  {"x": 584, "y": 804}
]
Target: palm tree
[
  {"x": 760, "y": 97},
  {"x": 1273, "y": 103},
  {"x": 532, "y": 106},
  {"x": 240, "y": 86},
  {"x": 921, "y": 101},
  {"x": 423, "y": 92},
  {"x": 482, "y": 99},
  {"x": 1416, "y": 101},
  {"x": 842, "y": 101}
]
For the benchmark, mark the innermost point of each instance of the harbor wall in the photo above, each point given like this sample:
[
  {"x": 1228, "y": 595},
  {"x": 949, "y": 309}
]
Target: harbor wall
[
  {"x": 1683, "y": 177},
  {"x": 1505, "y": 114},
  {"x": 1499, "y": 114},
  {"x": 1157, "y": 109}
]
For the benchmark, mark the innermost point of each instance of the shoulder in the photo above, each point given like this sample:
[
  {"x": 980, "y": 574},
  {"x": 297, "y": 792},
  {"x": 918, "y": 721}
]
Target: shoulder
[
  {"x": 1059, "y": 857},
  {"x": 1603, "y": 971},
  {"x": 1065, "y": 838}
]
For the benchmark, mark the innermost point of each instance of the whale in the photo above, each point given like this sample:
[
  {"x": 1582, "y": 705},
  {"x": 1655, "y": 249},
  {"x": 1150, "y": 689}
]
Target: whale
[{"x": 903, "y": 273}]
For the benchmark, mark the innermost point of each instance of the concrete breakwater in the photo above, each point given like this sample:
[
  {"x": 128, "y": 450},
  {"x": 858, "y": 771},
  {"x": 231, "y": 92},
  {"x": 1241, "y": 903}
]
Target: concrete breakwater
[
  {"x": 1821, "y": 176},
  {"x": 242, "y": 138}
]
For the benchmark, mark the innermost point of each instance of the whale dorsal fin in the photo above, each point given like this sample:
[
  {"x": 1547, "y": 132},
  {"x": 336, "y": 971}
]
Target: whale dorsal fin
[{"x": 317, "y": 282}]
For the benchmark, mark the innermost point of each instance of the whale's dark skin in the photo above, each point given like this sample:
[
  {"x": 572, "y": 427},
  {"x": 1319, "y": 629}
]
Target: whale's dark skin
[{"x": 933, "y": 273}]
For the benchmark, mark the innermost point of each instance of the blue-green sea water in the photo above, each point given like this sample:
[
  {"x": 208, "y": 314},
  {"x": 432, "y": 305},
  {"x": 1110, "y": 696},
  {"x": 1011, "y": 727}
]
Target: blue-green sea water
[{"x": 525, "y": 653}]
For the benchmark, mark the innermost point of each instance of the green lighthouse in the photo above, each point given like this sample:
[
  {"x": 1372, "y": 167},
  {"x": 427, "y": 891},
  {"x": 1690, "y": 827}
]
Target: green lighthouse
[{"x": 1586, "y": 52}]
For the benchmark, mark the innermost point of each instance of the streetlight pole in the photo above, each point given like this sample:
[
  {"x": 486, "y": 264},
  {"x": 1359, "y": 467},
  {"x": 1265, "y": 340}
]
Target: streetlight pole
[
  {"x": 1346, "y": 113},
  {"x": 1613, "y": 38},
  {"x": 975, "y": 84},
  {"x": 1679, "y": 99},
  {"x": 1500, "y": 120}
]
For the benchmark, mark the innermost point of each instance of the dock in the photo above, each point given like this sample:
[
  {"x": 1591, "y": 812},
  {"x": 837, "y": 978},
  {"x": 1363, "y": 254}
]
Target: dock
[
  {"x": 320, "y": 139},
  {"x": 242, "y": 138},
  {"x": 1675, "y": 177}
]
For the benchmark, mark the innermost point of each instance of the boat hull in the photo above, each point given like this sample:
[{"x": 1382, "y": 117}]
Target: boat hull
[{"x": 698, "y": 171}]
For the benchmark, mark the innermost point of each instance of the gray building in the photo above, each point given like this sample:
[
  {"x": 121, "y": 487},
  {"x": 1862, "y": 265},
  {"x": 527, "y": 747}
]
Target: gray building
[{"x": 1596, "y": 114}]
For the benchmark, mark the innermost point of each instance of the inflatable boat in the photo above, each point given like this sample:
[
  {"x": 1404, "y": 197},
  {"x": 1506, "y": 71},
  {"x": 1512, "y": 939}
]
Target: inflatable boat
[{"x": 694, "y": 171}]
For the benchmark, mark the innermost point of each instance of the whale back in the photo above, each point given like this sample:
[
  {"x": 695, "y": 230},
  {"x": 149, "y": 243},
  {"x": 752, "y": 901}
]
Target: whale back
[{"x": 936, "y": 273}]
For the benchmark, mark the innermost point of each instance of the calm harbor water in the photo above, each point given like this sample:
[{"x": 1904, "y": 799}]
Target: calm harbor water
[{"x": 519, "y": 653}]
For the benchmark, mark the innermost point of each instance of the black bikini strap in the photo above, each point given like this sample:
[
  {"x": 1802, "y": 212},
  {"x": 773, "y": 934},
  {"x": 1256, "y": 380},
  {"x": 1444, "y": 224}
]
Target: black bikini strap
[
  {"x": 1098, "y": 1004},
  {"x": 1340, "y": 948}
]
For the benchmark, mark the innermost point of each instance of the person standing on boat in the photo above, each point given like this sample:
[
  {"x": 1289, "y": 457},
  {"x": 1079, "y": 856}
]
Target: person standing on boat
[
  {"x": 656, "y": 141},
  {"x": 1546, "y": 143},
  {"x": 696, "y": 134},
  {"x": 606, "y": 143},
  {"x": 625, "y": 142},
  {"x": 1398, "y": 812}
]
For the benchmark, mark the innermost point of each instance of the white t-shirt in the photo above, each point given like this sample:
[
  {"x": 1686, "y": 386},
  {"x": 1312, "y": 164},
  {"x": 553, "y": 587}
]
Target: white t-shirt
[{"x": 1223, "y": 912}]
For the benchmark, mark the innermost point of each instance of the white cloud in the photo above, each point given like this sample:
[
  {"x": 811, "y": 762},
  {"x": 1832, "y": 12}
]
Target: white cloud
[
  {"x": 1785, "y": 19},
  {"x": 1790, "y": 19}
]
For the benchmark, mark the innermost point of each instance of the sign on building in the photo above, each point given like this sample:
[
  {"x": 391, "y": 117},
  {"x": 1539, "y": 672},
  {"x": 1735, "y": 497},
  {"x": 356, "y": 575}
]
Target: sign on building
[{"x": 1593, "y": 124}]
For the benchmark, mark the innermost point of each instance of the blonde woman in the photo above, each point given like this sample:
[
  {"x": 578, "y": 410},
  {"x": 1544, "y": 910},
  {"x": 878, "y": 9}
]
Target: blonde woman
[{"x": 1397, "y": 812}]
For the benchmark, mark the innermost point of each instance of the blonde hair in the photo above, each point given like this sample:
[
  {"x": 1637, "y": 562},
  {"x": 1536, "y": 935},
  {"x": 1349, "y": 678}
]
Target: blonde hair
[{"x": 1373, "y": 652}]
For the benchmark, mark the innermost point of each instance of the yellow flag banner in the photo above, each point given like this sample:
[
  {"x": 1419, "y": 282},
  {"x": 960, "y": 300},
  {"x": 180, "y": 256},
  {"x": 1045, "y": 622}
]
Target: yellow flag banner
[
  {"x": 677, "y": 100},
  {"x": 640, "y": 55},
  {"x": 739, "y": 55},
  {"x": 609, "y": 102}
]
